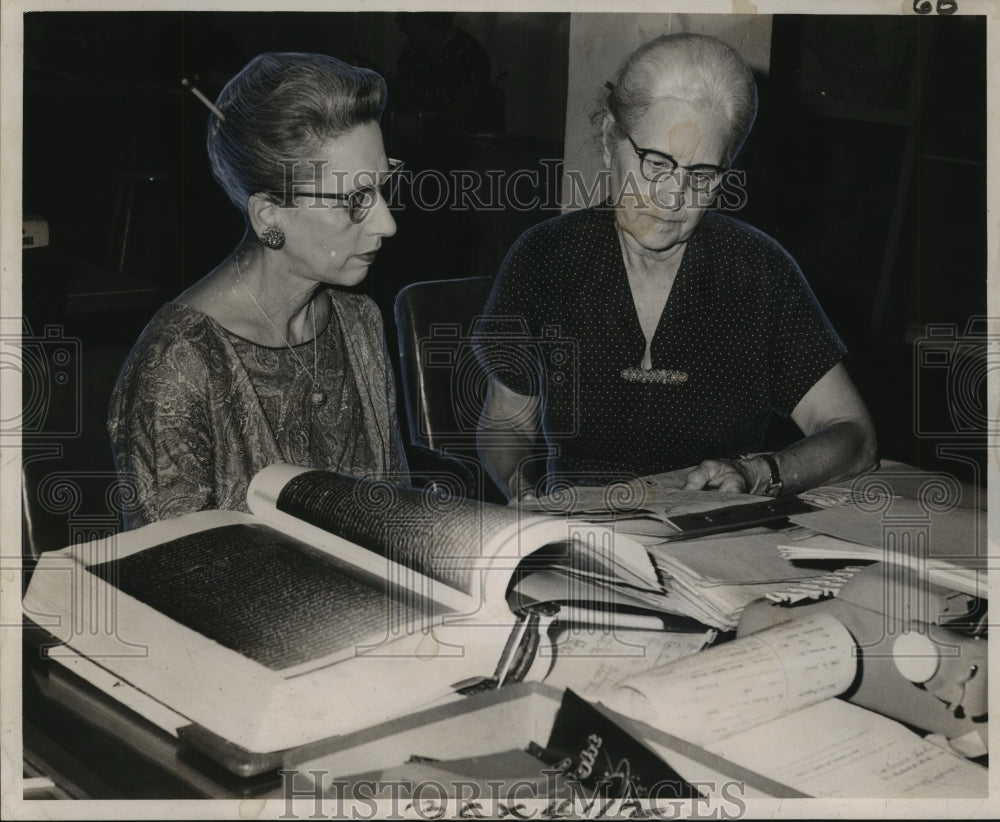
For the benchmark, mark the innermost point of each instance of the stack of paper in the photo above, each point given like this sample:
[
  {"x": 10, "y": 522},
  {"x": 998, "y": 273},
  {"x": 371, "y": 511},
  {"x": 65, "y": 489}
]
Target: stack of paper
[
  {"x": 713, "y": 579},
  {"x": 947, "y": 547},
  {"x": 966, "y": 574}
]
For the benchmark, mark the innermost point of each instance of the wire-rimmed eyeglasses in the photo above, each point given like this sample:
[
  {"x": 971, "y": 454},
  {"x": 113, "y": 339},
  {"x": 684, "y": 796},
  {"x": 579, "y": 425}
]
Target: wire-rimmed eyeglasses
[
  {"x": 656, "y": 166},
  {"x": 362, "y": 200}
]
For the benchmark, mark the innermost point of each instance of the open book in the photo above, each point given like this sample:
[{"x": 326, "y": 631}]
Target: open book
[
  {"x": 768, "y": 703},
  {"x": 338, "y": 603}
]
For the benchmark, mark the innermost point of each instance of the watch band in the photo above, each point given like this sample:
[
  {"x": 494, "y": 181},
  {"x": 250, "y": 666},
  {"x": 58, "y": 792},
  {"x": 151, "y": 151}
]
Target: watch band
[{"x": 776, "y": 484}]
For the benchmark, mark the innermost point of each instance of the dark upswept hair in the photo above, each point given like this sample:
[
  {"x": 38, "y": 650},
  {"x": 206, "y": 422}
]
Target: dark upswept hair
[
  {"x": 697, "y": 68},
  {"x": 284, "y": 106}
]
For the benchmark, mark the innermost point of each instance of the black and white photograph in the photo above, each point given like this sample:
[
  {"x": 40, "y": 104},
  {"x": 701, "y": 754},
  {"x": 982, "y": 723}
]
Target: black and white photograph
[{"x": 557, "y": 410}]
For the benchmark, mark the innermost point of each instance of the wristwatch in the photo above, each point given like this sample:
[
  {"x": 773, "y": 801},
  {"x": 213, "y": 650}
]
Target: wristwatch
[{"x": 775, "y": 483}]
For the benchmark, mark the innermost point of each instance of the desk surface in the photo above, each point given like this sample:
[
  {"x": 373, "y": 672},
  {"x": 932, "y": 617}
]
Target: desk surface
[{"x": 93, "y": 747}]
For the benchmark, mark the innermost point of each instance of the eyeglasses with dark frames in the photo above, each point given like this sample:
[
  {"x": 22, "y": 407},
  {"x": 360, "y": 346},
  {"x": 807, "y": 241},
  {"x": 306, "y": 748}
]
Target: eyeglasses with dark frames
[
  {"x": 656, "y": 166},
  {"x": 361, "y": 201}
]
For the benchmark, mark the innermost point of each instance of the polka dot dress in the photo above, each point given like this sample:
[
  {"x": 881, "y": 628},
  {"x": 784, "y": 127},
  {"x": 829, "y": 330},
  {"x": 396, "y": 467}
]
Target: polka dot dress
[{"x": 741, "y": 338}]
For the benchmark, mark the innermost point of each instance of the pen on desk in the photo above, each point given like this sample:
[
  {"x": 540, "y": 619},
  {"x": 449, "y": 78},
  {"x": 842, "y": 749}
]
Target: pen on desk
[
  {"x": 577, "y": 615},
  {"x": 509, "y": 651},
  {"x": 194, "y": 90}
]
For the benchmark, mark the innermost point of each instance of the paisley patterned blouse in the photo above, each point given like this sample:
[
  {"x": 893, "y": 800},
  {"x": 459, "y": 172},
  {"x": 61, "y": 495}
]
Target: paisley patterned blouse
[{"x": 197, "y": 411}]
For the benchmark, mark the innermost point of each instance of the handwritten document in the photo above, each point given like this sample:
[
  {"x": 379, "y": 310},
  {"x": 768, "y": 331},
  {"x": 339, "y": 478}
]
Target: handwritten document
[
  {"x": 592, "y": 663},
  {"x": 743, "y": 683},
  {"x": 765, "y": 702},
  {"x": 835, "y": 749}
]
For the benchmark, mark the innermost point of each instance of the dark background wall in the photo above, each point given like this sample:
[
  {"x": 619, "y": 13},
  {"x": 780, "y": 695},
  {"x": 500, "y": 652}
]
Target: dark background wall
[
  {"x": 103, "y": 98},
  {"x": 867, "y": 163},
  {"x": 871, "y": 167}
]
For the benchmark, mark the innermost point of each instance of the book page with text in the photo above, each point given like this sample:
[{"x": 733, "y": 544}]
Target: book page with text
[{"x": 435, "y": 545}]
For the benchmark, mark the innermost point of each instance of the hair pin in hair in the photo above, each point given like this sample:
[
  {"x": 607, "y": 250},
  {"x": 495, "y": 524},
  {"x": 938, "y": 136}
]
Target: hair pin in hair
[
  {"x": 194, "y": 90},
  {"x": 609, "y": 85}
]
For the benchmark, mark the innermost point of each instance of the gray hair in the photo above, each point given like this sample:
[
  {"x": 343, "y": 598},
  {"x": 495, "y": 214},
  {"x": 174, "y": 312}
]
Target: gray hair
[
  {"x": 284, "y": 106},
  {"x": 694, "y": 67}
]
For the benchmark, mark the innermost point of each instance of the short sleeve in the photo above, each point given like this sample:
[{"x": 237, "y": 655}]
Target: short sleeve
[
  {"x": 160, "y": 430},
  {"x": 803, "y": 344}
]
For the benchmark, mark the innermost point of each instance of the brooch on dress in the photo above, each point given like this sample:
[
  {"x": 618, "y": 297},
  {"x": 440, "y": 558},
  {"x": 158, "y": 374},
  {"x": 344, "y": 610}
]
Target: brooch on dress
[{"x": 659, "y": 376}]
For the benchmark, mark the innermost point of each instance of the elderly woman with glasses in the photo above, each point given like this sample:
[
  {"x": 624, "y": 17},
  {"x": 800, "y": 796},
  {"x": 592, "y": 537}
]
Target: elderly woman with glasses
[
  {"x": 651, "y": 334},
  {"x": 268, "y": 358}
]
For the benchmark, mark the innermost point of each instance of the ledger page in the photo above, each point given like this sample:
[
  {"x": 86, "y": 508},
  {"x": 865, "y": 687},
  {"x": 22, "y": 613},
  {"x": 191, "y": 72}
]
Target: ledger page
[
  {"x": 743, "y": 683},
  {"x": 836, "y": 749}
]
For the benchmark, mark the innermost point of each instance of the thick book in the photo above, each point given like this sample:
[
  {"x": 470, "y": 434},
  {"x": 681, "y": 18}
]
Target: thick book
[{"x": 337, "y": 604}]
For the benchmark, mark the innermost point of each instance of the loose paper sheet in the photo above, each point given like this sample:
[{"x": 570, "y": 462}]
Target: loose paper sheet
[
  {"x": 593, "y": 662},
  {"x": 836, "y": 749},
  {"x": 743, "y": 683}
]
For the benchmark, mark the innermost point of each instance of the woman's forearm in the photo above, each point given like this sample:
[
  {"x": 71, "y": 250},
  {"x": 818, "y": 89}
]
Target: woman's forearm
[
  {"x": 838, "y": 452},
  {"x": 841, "y": 450},
  {"x": 509, "y": 440},
  {"x": 839, "y": 437}
]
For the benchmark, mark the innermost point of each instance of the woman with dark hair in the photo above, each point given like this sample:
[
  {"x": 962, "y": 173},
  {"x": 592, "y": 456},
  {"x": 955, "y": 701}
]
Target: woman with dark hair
[
  {"x": 267, "y": 358},
  {"x": 658, "y": 335}
]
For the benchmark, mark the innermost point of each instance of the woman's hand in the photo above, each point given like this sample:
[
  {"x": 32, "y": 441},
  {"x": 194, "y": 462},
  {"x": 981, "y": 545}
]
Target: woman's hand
[
  {"x": 521, "y": 487},
  {"x": 739, "y": 476}
]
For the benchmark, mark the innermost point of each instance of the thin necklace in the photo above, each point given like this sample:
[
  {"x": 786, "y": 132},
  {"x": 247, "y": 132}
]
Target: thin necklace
[{"x": 318, "y": 395}]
